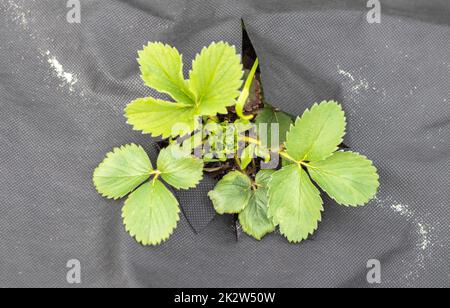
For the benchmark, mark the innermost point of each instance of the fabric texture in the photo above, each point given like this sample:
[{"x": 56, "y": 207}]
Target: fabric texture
[{"x": 63, "y": 88}]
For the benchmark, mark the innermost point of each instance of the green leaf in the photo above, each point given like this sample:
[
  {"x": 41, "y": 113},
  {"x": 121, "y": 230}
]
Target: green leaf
[
  {"x": 294, "y": 203},
  {"x": 160, "y": 118},
  {"x": 286, "y": 162},
  {"x": 254, "y": 219},
  {"x": 318, "y": 133},
  {"x": 263, "y": 178},
  {"x": 235, "y": 194},
  {"x": 216, "y": 78},
  {"x": 179, "y": 169},
  {"x": 349, "y": 178},
  {"x": 232, "y": 194},
  {"x": 123, "y": 170},
  {"x": 162, "y": 69},
  {"x": 151, "y": 213},
  {"x": 270, "y": 116}
]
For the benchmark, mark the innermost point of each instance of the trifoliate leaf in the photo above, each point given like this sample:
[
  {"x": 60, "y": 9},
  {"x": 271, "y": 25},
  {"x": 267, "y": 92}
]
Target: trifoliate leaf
[
  {"x": 160, "y": 118},
  {"x": 318, "y": 133},
  {"x": 270, "y": 116},
  {"x": 294, "y": 203},
  {"x": 151, "y": 213},
  {"x": 179, "y": 169},
  {"x": 254, "y": 219},
  {"x": 123, "y": 170},
  {"x": 232, "y": 194},
  {"x": 162, "y": 69},
  {"x": 216, "y": 78},
  {"x": 349, "y": 178}
]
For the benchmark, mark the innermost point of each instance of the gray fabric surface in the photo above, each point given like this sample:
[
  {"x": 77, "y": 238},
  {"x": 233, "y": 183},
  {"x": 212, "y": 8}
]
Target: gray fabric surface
[{"x": 55, "y": 128}]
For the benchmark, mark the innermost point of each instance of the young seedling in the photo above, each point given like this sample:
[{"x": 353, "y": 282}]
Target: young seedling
[{"x": 200, "y": 115}]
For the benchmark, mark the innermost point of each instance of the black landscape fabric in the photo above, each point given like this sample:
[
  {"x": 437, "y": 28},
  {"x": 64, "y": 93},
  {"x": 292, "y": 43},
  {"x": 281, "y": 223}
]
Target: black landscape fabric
[{"x": 63, "y": 88}]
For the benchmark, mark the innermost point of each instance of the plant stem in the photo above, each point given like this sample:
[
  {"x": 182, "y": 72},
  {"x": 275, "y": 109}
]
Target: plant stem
[
  {"x": 288, "y": 157},
  {"x": 300, "y": 163},
  {"x": 238, "y": 162},
  {"x": 210, "y": 170},
  {"x": 157, "y": 174},
  {"x": 251, "y": 140},
  {"x": 245, "y": 93}
]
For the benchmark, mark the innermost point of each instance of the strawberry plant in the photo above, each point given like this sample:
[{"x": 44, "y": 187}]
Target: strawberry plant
[{"x": 214, "y": 123}]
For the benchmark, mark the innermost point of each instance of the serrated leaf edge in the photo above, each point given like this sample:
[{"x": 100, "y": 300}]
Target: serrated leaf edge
[
  {"x": 375, "y": 173},
  {"x": 200, "y": 54},
  {"x": 309, "y": 111},
  {"x": 114, "y": 151},
  {"x": 196, "y": 160},
  {"x": 212, "y": 193},
  {"x": 172, "y": 48},
  {"x": 147, "y": 132},
  {"x": 185, "y": 187},
  {"x": 247, "y": 231},
  {"x": 162, "y": 240},
  {"x": 316, "y": 227},
  {"x": 213, "y": 199}
]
